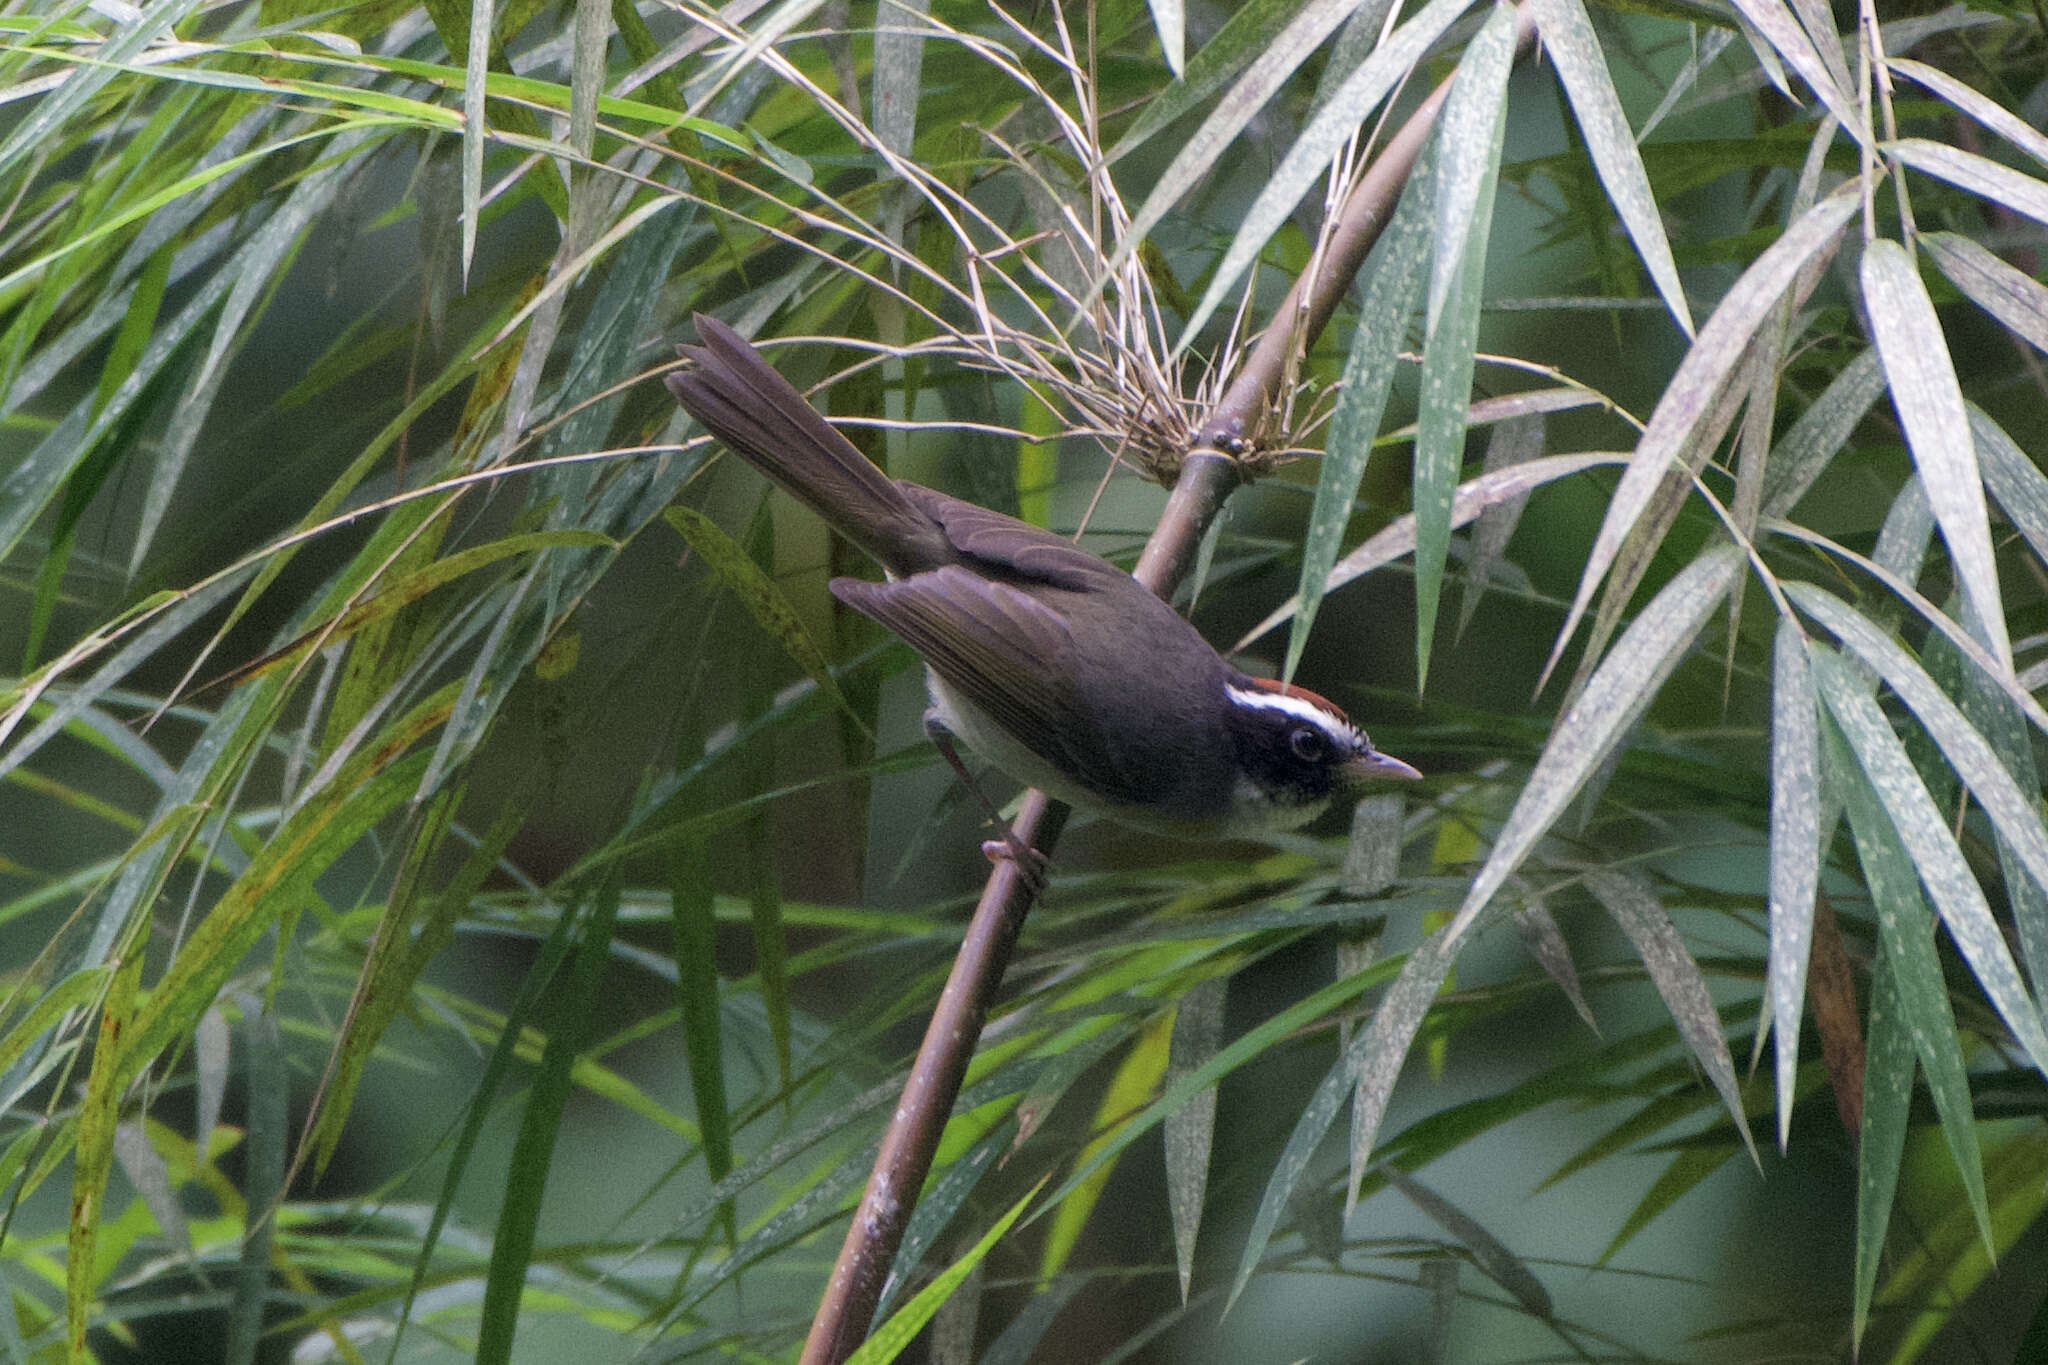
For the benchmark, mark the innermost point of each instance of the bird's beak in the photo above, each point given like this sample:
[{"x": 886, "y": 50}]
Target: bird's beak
[{"x": 1374, "y": 764}]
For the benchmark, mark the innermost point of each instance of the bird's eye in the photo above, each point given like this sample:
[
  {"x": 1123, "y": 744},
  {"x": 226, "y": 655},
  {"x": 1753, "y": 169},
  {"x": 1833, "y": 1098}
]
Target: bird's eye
[{"x": 1310, "y": 745}]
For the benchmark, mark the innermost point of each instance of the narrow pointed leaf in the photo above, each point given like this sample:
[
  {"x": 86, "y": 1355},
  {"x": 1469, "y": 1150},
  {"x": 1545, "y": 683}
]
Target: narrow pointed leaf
[
  {"x": 1327, "y": 132},
  {"x": 1393, "y": 284},
  {"x": 1473, "y": 497},
  {"x": 1674, "y": 426},
  {"x": 1544, "y": 941},
  {"x": 1516, "y": 441},
  {"x": 1939, "y": 863},
  {"x": 1922, "y": 379},
  {"x": 1982, "y": 108},
  {"x": 1191, "y": 1129},
  {"x": 1980, "y": 175},
  {"x": 1802, "y": 454},
  {"x": 1677, "y": 979},
  {"x": 1489, "y": 1253},
  {"x": 1795, "y": 853},
  {"x": 2014, "y": 812},
  {"x": 1881, "y": 1146},
  {"x": 695, "y": 932},
  {"x": 1469, "y": 140},
  {"x": 1368, "y": 1067},
  {"x": 1595, "y": 722},
  {"x": 892, "y": 1337},
  {"x": 1569, "y": 39},
  {"x": 540, "y": 1123},
  {"x": 2018, "y": 301},
  {"x": 1250, "y": 31},
  {"x": 1906, "y": 937},
  {"x": 268, "y": 1137},
  {"x": 476, "y": 71}
]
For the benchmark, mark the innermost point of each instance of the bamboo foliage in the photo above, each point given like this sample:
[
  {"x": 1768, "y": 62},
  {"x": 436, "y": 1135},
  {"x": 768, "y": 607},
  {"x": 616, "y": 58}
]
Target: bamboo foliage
[{"x": 330, "y": 442}]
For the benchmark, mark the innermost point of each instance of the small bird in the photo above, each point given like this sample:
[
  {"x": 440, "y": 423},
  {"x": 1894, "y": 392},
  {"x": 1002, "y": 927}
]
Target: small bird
[{"x": 1052, "y": 664}]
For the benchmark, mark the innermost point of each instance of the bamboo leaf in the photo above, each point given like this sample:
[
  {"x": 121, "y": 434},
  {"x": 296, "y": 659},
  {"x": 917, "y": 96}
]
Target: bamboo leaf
[
  {"x": 1802, "y": 453},
  {"x": 1191, "y": 1129},
  {"x": 1544, "y": 941},
  {"x": 890, "y": 1339},
  {"x": 1251, "y": 30},
  {"x": 1134, "y": 1082},
  {"x": 697, "y": 992},
  {"x": 2014, "y": 813},
  {"x": 1935, "y": 858},
  {"x": 1678, "y": 980},
  {"x": 269, "y": 1101},
  {"x": 1469, "y": 138},
  {"x": 1922, "y": 379},
  {"x": 1489, "y": 1253},
  {"x": 1981, "y": 176},
  {"x": 98, "y": 1114},
  {"x": 533, "y": 1151},
  {"x": 764, "y": 601},
  {"x": 1515, "y": 441},
  {"x": 1473, "y": 497},
  {"x": 1683, "y": 1173},
  {"x": 1575, "y": 50},
  {"x": 1393, "y": 284},
  {"x": 2017, "y": 300},
  {"x": 1675, "y": 426},
  {"x": 1881, "y": 1145},
  {"x": 1595, "y": 722},
  {"x": 1308, "y": 156},
  {"x": 1795, "y": 852}
]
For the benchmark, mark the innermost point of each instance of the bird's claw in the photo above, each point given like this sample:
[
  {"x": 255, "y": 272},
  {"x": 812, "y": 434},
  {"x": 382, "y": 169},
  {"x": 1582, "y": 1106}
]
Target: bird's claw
[{"x": 1030, "y": 863}]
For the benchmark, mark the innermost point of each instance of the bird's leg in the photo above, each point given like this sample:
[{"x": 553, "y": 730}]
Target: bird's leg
[{"x": 1029, "y": 860}]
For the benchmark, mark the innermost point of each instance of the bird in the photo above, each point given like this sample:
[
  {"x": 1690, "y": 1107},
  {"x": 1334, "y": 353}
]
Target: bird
[{"x": 1050, "y": 663}]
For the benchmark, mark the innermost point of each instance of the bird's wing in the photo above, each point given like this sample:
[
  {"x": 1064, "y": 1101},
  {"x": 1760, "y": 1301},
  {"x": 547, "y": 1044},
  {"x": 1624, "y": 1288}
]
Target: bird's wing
[
  {"x": 1016, "y": 548},
  {"x": 1001, "y": 650}
]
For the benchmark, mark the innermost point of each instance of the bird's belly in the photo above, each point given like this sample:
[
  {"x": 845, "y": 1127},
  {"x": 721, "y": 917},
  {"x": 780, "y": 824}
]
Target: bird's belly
[
  {"x": 994, "y": 745},
  {"x": 1241, "y": 812}
]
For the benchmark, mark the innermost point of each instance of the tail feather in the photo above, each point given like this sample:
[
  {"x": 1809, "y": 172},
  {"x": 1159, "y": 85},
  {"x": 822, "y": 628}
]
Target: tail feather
[{"x": 744, "y": 402}]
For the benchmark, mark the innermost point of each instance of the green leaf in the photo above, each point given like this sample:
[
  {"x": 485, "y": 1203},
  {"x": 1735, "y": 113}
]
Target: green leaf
[
  {"x": 1905, "y": 928},
  {"x": 1887, "y": 1095},
  {"x": 1795, "y": 852},
  {"x": 697, "y": 992},
  {"x": 1469, "y": 137},
  {"x": 1684, "y": 1173},
  {"x": 1802, "y": 453},
  {"x": 1328, "y": 131},
  {"x": 2017, "y": 300},
  {"x": 1249, "y": 32},
  {"x": 269, "y": 1097},
  {"x": 1919, "y": 822},
  {"x": 890, "y": 1339},
  {"x": 762, "y": 599},
  {"x": 98, "y": 1112},
  {"x": 1675, "y": 427},
  {"x": 1574, "y": 49},
  {"x": 1605, "y": 708},
  {"x": 1489, "y": 1253},
  {"x": 1191, "y": 1130},
  {"x": 1922, "y": 379},
  {"x": 533, "y": 1150},
  {"x": 1393, "y": 285},
  {"x": 1980, "y": 175},
  {"x": 1678, "y": 980}
]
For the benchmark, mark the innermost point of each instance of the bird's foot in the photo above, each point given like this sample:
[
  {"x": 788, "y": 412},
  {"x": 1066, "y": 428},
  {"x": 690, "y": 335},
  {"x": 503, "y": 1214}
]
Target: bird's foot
[{"x": 1031, "y": 865}]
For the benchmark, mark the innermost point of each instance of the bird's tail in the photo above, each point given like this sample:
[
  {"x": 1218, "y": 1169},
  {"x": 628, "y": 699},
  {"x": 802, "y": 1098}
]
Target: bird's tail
[{"x": 741, "y": 399}]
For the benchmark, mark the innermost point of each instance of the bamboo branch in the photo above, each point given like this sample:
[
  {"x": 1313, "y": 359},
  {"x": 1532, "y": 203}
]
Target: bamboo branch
[{"x": 1208, "y": 476}]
